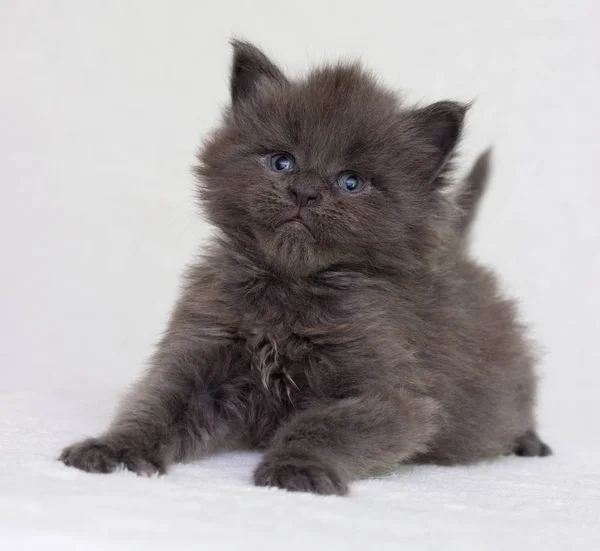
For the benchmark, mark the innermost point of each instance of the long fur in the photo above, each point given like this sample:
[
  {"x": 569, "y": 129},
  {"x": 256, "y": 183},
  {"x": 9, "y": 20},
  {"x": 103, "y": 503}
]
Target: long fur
[{"x": 364, "y": 336}]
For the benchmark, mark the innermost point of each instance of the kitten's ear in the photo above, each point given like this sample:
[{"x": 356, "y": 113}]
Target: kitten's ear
[
  {"x": 438, "y": 126},
  {"x": 249, "y": 66}
]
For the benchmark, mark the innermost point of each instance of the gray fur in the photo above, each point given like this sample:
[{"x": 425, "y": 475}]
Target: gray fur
[
  {"x": 343, "y": 335},
  {"x": 468, "y": 196}
]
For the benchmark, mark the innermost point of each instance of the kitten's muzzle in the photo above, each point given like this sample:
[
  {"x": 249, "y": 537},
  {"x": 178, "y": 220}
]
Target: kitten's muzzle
[
  {"x": 297, "y": 220},
  {"x": 304, "y": 196}
]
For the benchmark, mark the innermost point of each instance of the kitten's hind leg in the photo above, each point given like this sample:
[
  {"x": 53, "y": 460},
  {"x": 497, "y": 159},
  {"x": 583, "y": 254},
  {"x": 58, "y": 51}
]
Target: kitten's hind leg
[
  {"x": 530, "y": 445},
  {"x": 185, "y": 405},
  {"x": 324, "y": 447}
]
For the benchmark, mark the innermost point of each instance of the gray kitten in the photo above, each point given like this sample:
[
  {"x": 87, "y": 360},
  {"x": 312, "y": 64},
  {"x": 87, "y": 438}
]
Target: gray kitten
[{"x": 338, "y": 321}]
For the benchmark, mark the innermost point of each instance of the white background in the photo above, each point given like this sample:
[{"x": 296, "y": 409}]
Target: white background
[{"x": 102, "y": 108}]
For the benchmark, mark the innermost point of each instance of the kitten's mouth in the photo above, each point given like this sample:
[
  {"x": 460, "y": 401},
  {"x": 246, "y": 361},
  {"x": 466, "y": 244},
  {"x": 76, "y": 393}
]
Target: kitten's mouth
[{"x": 297, "y": 223}]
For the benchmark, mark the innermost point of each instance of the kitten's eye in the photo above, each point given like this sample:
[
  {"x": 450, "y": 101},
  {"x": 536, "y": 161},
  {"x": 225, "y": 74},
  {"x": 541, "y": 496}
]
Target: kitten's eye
[
  {"x": 350, "y": 182},
  {"x": 282, "y": 162}
]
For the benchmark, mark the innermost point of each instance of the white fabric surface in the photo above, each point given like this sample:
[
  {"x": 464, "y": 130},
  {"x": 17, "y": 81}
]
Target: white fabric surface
[
  {"x": 512, "y": 503},
  {"x": 102, "y": 105}
]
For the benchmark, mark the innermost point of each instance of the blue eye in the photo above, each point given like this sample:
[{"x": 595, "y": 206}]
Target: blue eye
[
  {"x": 350, "y": 182},
  {"x": 282, "y": 162}
]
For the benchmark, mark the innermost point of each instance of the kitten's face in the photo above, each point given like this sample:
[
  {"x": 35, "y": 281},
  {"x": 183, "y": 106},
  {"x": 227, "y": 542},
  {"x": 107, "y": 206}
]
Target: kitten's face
[{"x": 326, "y": 170}]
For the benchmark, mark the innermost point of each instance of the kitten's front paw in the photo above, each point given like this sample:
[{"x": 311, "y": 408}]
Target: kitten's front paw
[
  {"x": 91, "y": 455},
  {"x": 300, "y": 474},
  {"x": 96, "y": 455}
]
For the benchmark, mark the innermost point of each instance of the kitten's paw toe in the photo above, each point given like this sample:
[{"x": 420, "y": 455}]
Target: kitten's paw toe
[
  {"x": 96, "y": 455},
  {"x": 300, "y": 474},
  {"x": 91, "y": 455},
  {"x": 530, "y": 445},
  {"x": 143, "y": 464}
]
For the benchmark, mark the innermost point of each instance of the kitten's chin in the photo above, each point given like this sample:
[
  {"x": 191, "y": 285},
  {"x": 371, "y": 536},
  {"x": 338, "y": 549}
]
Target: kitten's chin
[{"x": 292, "y": 250}]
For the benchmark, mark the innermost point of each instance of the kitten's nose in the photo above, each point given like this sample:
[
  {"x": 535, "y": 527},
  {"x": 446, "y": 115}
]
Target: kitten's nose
[{"x": 304, "y": 197}]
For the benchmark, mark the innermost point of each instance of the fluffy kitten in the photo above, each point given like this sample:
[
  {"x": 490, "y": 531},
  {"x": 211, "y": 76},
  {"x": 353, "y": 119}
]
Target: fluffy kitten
[{"x": 338, "y": 321}]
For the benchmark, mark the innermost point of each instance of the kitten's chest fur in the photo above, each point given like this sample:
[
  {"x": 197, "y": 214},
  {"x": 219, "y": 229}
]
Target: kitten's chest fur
[
  {"x": 299, "y": 336},
  {"x": 279, "y": 327},
  {"x": 278, "y": 359}
]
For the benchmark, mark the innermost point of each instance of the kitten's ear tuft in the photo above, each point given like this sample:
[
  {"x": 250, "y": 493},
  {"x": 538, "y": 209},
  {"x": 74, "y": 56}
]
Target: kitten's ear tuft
[
  {"x": 439, "y": 126},
  {"x": 249, "y": 66}
]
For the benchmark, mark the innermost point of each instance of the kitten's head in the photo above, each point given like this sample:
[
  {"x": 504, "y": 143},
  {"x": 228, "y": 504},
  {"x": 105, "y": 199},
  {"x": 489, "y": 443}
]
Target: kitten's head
[{"x": 327, "y": 170}]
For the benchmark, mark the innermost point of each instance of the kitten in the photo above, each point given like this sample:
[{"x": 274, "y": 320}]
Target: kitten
[{"x": 338, "y": 322}]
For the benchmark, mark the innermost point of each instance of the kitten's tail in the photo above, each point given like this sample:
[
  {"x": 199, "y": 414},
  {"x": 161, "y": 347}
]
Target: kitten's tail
[{"x": 468, "y": 196}]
